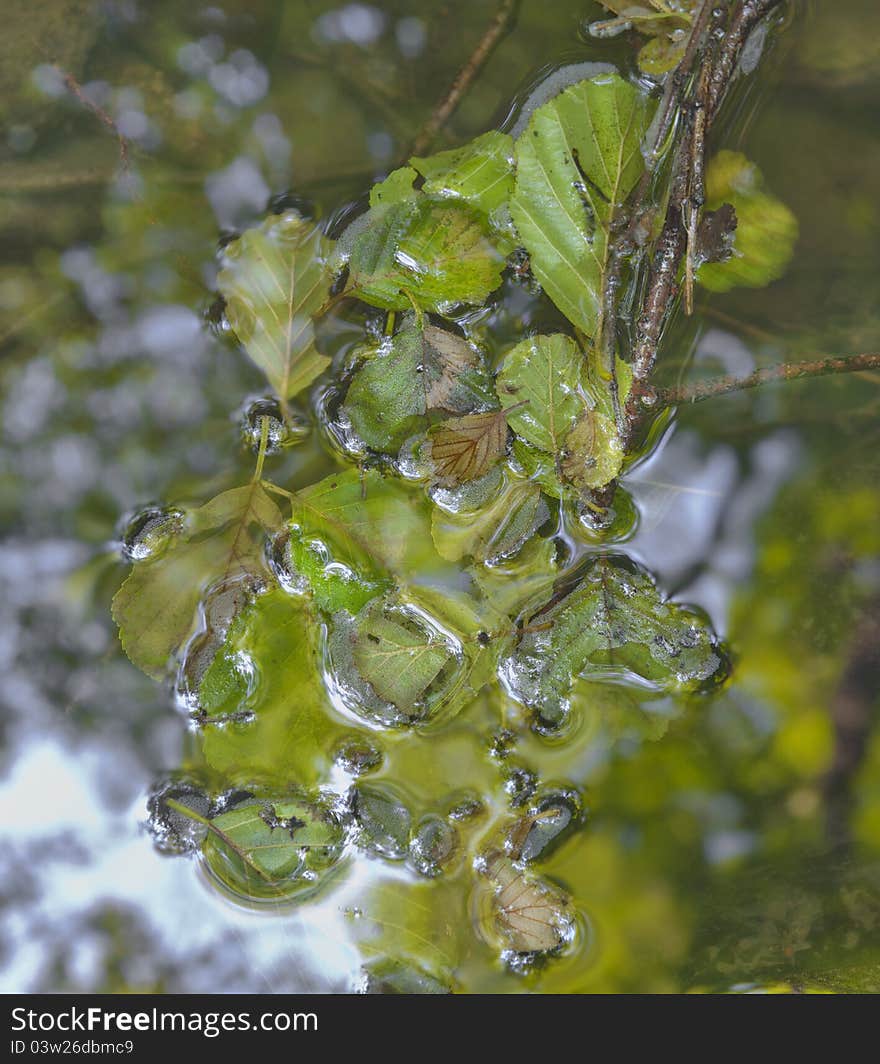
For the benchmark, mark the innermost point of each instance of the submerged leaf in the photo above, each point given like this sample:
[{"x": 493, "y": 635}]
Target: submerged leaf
[
  {"x": 766, "y": 230},
  {"x": 468, "y": 447},
  {"x": 275, "y": 279},
  {"x": 614, "y": 620},
  {"x": 576, "y": 163},
  {"x": 386, "y": 398},
  {"x": 592, "y": 452},
  {"x": 274, "y": 850},
  {"x": 155, "y": 607},
  {"x": 492, "y": 523},
  {"x": 407, "y": 377},
  {"x": 480, "y": 172},
  {"x": 526, "y": 914}
]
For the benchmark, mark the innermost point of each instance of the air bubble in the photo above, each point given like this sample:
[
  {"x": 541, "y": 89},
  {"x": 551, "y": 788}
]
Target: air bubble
[{"x": 151, "y": 531}]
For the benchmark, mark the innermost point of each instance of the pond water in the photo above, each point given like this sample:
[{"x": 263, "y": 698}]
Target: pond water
[{"x": 725, "y": 841}]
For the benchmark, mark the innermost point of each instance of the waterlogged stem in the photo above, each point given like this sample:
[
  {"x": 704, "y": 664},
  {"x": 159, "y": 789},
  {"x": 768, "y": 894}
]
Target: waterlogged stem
[
  {"x": 463, "y": 80},
  {"x": 786, "y": 371}
]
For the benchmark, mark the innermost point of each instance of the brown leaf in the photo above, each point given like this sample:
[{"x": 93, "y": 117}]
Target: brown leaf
[
  {"x": 530, "y": 913},
  {"x": 465, "y": 448},
  {"x": 447, "y": 357}
]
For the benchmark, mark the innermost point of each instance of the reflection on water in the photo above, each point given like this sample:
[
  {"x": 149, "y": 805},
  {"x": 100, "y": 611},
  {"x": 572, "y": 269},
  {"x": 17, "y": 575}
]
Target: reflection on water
[{"x": 705, "y": 859}]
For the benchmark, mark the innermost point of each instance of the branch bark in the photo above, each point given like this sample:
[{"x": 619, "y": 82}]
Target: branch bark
[
  {"x": 786, "y": 371},
  {"x": 699, "y": 104}
]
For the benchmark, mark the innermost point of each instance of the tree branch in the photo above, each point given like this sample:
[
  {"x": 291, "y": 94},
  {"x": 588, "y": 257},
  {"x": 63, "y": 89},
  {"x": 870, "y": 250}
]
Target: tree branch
[
  {"x": 728, "y": 31},
  {"x": 786, "y": 371},
  {"x": 444, "y": 110}
]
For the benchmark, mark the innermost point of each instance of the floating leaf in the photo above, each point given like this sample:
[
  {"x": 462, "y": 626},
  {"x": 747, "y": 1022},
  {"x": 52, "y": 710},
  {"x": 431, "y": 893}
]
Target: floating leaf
[
  {"x": 541, "y": 376},
  {"x": 766, "y": 229},
  {"x": 155, "y": 607},
  {"x": 468, "y": 447},
  {"x": 275, "y": 279},
  {"x": 368, "y": 520},
  {"x": 398, "y": 655},
  {"x": 274, "y": 850},
  {"x": 435, "y": 255},
  {"x": 386, "y": 398},
  {"x": 577, "y": 162},
  {"x": 412, "y": 657},
  {"x": 417, "y": 371},
  {"x": 480, "y": 172},
  {"x": 667, "y": 23},
  {"x": 613, "y": 621},
  {"x": 383, "y": 818},
  {"x": 592, "y": 453}
]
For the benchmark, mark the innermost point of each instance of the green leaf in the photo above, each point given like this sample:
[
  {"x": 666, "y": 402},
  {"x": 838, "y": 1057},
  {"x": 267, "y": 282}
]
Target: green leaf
[
  {"x": 369, "y": 520},
  {"x": 413, "y": 657},
  {"x": 274, "y": 850},
  {"x": 306, "y": 565},
  {"x": 386, "y": 399},
  {"x": 592, "y": 452},
  {"x": 397, "y": 656},
  {"x": 275, "y": 279},
  {"x": 577, "y": 161},
  {"x": 490, "y": 523},
  {"x": 434, "y": 255},
  {"x": 522, "y": 582},
  {"x": 480, "y": 173},
  {"x": 396, "y": 188},
  {"x": 416, "y": 372},
  {"x": 766, "y": 230},
  {"x": 155, "y": 607},
  {"x": 543, "y": 373},
  {"x": 613, "y": 621},
  {"x": 292, "y": 729}
]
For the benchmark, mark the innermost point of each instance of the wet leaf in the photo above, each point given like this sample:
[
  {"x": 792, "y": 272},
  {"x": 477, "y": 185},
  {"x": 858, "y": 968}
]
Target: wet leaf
[
  {"x": 155, "y": 607},
  {"x": 397, "y": 656},
  {"x": 275, "y": 279},
  {"x": 468, "y": 447},
  {"x": 480, "y": 172},
  {"x": 386, "y": 398},
  {"x": 541, "y": 376},
  {"x": 592, "y": 452},
  {"x": 577, "y": 162},
  {"x": 368, "y": 519},
  {"x": 614, "y": 621},
  {"x": 416, "y": 372},
  {"x": 384, "y": 820},
  {"x": 433, "y": 255},
  {"x": 766, "y": 229},
  {"x": 276, "y": 849}
]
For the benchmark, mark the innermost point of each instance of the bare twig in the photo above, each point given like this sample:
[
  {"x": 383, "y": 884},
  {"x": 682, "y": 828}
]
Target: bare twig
[
  {"x": 786, "y": 371},
  {"x": 498, "y": 26},
  {"x": 77, "y": 90},
  {"x": 729, "y": 30}
]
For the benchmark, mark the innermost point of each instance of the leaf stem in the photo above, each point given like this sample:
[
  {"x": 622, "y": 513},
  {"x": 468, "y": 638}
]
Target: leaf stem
[
  {"x": 261, "y": 455},
  {"x": 785, "y": 371}
]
